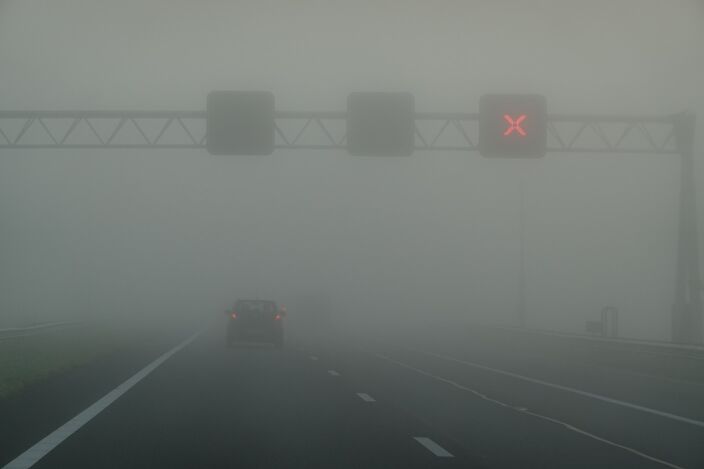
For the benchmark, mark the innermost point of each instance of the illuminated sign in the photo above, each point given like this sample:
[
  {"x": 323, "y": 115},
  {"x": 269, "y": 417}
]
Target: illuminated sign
[{"x": 513, "y": 125}]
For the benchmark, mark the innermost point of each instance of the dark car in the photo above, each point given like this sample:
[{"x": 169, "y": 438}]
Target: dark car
[{"x": 256, "y": 321}]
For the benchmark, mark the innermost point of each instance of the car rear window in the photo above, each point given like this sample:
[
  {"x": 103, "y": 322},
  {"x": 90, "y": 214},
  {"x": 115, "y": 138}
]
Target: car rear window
[{"x": 251, "y": 306}]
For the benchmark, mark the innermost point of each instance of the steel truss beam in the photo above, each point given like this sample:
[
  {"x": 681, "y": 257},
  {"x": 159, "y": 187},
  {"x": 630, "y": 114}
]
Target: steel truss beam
[{"x": 317, "y": 130}]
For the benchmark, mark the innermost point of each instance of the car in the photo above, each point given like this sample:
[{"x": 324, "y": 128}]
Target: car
[{"x": 256, "y": 321}]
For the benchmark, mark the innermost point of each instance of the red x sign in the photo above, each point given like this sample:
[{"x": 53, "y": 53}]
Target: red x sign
[{"x": 515, "y": 125}]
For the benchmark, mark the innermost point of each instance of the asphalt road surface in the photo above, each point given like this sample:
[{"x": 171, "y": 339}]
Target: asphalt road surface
[{"x": 446, "y": 397}]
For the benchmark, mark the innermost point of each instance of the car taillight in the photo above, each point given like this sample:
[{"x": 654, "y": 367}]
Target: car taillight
[
  {"x": 277, "y": 317},
  {"x": 234, "y": 315}
]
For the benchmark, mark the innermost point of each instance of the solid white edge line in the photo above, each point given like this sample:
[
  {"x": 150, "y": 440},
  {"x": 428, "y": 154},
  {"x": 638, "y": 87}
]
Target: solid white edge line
[
  {"x": 366, "y": 397},
  {"x": 433, "y": 447},
  {"x": 523, "y": 410},
  {"x": 599, "y": 397},
  {"x": 51, "y": 441},
  {"x": 333, "y": 373}
]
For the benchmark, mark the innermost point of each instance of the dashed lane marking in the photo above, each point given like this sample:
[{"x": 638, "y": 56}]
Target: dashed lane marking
[{"x": 366, "y": 397}]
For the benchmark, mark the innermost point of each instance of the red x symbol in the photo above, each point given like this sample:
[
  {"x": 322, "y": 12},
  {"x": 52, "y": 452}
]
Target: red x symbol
[{"x": 514, "y": 125}]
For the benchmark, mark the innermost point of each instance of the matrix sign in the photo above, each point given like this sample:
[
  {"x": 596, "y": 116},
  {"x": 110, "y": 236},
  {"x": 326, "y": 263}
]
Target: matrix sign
[
  {"x": 380, "y": 124},
  {"x": 240, "y": 123},
  {"x": 513, "y": 125}
]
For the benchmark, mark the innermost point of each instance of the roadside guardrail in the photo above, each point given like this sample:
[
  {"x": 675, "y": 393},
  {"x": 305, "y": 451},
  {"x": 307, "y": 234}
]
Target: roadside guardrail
[
  {"x": 612, "y": 340},
  {"x": 16, "y": 332}
]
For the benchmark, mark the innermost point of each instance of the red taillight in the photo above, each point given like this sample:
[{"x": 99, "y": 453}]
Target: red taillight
[
  {"x": 234, "y": 315},
  {"x": 277, "y": 317}
]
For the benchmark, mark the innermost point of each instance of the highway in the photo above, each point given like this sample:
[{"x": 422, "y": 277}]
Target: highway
[{"x": 416, "y": 397}]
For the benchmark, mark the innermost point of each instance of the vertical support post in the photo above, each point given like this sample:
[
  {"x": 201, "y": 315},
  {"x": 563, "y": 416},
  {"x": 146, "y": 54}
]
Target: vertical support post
[
  {"x": 614, "y": 323},
  {"x": 522, "y": 268},
  {"x": 687, "y": 310}
]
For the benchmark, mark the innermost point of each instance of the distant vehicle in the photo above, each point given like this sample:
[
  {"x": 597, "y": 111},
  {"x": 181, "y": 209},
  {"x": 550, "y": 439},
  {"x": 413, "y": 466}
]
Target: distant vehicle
[{"x": 256, "y": 321}]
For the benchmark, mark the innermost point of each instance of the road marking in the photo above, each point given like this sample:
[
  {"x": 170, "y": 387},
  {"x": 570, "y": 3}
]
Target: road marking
[
  {"x": 433, "y": 447},
  {"x": 333, "y": 373},
  {"x": 599, "y": 397},
  {"x": 528, "y": 412},
  {"x": 314, "y": 358},
  {"x": 366, "y": 397},
  {"x": 51, "y": 441},
  {"x": 621, "y": 371}
]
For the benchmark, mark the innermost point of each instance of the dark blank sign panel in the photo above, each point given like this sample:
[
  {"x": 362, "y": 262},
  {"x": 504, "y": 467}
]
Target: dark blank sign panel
[
  {"x": 380, "y": 124},
  {"x": 240, "y": 123},
  {"x": 513, "y": 125}
]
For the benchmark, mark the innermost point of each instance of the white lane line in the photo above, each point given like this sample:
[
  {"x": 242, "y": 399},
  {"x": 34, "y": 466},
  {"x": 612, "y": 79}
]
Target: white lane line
[
  {"x": 620, "y": 371},
  {"x": 314, "y": 358},
  {"x": 528, "y": 412},
  {"x": 433, "y": 447},
  {"x": 51, "y": 441},
  {"x": 599, "y": 397},
  {"x": 366, "y": 397},
  {"x": 333, "y": 373}
]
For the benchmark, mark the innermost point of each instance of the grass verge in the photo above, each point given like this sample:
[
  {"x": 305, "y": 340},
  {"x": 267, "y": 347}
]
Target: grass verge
[{"x": 30, "y": 359}]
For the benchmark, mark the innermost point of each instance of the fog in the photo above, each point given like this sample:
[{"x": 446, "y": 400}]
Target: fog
[{"x": 115, "y": 233}]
